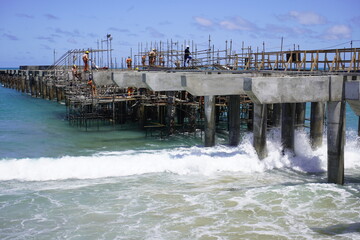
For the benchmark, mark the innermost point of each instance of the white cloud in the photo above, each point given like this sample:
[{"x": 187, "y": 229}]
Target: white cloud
[
  {"x": 307, "y": 18},
  {"x": 203, "y": 21},
  {"x": 51, "y": 17},
  {"x": 10, "y": 37},
  {"x": 154, "y": 33},
  {"x": 24, "y": 15},
  {"x": 230, "y": 25},
  {"x": 49, "y": 39},
  {"x": 238, "y": 23},
  {"x": 122, "y": 30},
  {"x": 72, "y": 40},
  {"x": 336, "y": 32}
]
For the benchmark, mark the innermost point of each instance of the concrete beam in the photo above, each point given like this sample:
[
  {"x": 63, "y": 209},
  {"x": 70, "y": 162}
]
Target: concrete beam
[
  {"x": 129, "y": 79},
  {"x": 103, "y": 78},
  {"x": 355, "y": 106},
  {"x": 213, "y": 84},
  {"x": 336, "y": 91},
  {"x": 162, "y": 81},
  {"x": 352, "y": 95},
  {"x": 267, "y": 90}
]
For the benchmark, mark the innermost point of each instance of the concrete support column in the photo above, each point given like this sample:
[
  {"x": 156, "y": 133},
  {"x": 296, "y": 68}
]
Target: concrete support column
[
  {"x": 141, "y": 115},
  {"x": 170, "y": 112},
  {"x": 58, "y": 93},
  {"x": 37, "y": 86},
  {"x": 23, "y": 84},
  {"x": 300, "y": 115},
  {"x": 209, "y": 109},
  {"x": 180, "y": 114},
  {"x": 336, "y": 141},
  {"x": 15, "y": 82},
  {"x": 120, "y": 113},
  {"x": 192, "y": 119},
  {"x": 51, "y": 92},
  {"x": 181, "y": 109},
  {"x": 61, "y": 97},
  {"x": 27, "y": 84},
  {"x": 162, "y": 114},
  {"x": 287, "y": 126},
  {"x": 250, "y": 117},
  {"x": 40, "y": 86},
  {"x": 316, "y": 124},
  {"x": 18, "y": 83},
  {"x": 259, "y": 130},
  {"x": 276, "y": 116},
  {"x": 234, "y": 120},
  {"x": 32, "y": 85},
  {"x": 44, "y": 89}
]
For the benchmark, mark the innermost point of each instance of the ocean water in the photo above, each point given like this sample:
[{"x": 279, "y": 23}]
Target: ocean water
[{"x": 61, "y": 182}]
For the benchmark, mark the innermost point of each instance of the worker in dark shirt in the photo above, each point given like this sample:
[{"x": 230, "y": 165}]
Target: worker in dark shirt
[{"x": 187, "y": 56}]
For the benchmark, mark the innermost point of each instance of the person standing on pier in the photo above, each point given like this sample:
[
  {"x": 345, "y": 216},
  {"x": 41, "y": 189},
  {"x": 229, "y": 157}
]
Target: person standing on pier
[
  {"x": 161, "y": 61},
  {"x": 143, "y": 60},
  {"x": 75, "y": 72},
  {"x": 129, "y": 62},
  {"x": 92, "y": 87},
  {"x": 152, "y": 57},
  {"x": 85, "y": 58},
  {"x": 177, "y": 64},
  {"x": 187, "y": 56}
]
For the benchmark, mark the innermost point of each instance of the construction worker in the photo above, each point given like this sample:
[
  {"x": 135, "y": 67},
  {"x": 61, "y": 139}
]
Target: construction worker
[
  {"x": 152, "y": 57},
  {"x": 75, "y": 72},
  {"x": 187, "y": 56},
  {"x": 92, "y": 87},
  {"x": 85, "y": 58},
  {"x": 93, "y": 65},
  {"x": 130, "y": 91},
  {"x": 143, "y": 60},
  {"x": 129, "y": 62},
  {"x": 161, "y": 61},
  {"x": 177, "y": 63}
]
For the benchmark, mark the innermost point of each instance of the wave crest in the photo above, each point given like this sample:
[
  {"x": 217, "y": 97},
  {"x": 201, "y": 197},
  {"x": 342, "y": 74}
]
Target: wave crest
[{"x": 194, "y": 160}]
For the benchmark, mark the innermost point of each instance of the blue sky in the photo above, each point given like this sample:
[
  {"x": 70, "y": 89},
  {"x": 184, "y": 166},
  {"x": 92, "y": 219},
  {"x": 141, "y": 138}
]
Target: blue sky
[{"x": 30, "y": 30}]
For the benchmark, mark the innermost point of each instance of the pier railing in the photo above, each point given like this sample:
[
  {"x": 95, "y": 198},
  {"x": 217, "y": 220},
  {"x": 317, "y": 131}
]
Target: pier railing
[{"x": 330, "y": 60}]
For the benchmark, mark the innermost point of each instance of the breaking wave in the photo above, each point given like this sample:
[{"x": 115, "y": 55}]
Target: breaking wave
[{"x": 182, "y": 161}]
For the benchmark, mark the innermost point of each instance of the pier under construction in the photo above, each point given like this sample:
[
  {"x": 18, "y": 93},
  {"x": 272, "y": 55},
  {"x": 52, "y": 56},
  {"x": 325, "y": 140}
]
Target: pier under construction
[{"x": 217, "y": 89}]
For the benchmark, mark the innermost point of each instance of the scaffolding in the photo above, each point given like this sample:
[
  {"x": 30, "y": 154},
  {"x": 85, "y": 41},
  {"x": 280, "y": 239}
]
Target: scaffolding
[
  {"x": 170, "y": 55},
  {"x": 113, "y": 105}
]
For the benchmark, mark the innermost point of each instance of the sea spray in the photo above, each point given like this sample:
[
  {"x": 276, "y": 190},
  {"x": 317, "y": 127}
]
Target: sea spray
[{"x": 182, "y": 161}]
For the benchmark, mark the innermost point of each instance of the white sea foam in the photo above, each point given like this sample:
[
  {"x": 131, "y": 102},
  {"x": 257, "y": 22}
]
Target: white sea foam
[{"x": 182, "y": 161}]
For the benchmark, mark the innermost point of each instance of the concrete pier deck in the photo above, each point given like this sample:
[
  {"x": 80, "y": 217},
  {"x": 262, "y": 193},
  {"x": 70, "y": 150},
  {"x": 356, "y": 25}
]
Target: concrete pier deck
[{"x": 274, "y": 88}]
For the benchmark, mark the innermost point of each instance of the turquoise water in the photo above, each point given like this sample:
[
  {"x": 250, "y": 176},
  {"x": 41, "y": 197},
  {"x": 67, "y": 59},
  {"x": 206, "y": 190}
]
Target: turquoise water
[
  {"x": 62, "y": 182},
  {"x": 32, "y": 127}
]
